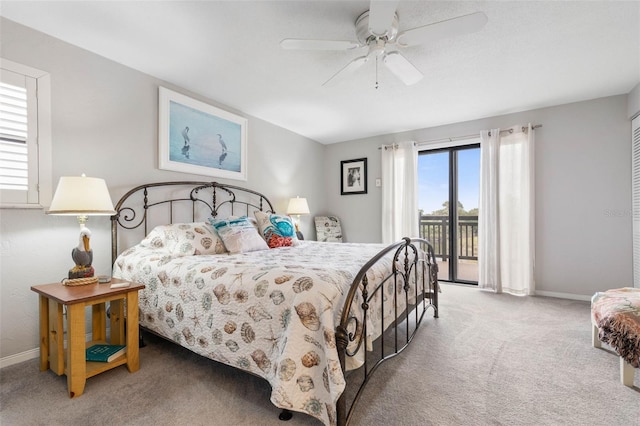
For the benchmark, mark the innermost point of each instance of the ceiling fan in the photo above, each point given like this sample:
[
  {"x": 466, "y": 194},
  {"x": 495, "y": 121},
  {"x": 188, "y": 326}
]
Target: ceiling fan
[{"x": 377, "y": 30}]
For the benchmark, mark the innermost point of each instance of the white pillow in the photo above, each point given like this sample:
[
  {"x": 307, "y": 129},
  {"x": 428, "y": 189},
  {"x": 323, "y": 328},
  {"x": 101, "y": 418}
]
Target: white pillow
[
  {"x": 239, "y": 235},
  {"x": 185, "y": 239}
]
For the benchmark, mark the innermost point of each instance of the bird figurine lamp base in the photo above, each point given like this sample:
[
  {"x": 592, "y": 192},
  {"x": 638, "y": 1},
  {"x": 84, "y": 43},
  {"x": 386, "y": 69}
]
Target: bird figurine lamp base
[
  {"x": 81, "y": 272},
  {"x": 299, "y": 234},
  {"x": 82, "y": 255}
]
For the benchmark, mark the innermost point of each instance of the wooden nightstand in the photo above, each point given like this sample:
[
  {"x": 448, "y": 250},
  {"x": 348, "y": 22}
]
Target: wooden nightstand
[{"x": 72, "y": 361}]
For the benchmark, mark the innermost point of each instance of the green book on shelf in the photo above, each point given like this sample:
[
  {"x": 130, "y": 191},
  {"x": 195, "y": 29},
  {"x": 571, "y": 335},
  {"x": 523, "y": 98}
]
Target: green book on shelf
[{"x": 105, "y": 353}]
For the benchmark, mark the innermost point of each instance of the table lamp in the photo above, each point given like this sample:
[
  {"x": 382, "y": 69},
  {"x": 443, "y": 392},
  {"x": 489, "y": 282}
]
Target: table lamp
[
  {"x": 298, "y": 206},
  {"x": 82, "y": 196}
]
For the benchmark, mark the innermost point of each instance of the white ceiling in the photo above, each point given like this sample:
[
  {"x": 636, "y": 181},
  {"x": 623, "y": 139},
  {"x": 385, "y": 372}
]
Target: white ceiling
[{"x": 531, "y": 54}]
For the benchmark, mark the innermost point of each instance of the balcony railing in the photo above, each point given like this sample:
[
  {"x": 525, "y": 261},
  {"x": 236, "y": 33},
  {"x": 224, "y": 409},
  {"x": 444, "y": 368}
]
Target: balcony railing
[{"x": 436, "y": 230}]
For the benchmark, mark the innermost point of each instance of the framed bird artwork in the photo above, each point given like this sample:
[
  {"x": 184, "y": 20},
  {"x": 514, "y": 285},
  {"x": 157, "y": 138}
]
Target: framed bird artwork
[{"x": 200, "y": 139}]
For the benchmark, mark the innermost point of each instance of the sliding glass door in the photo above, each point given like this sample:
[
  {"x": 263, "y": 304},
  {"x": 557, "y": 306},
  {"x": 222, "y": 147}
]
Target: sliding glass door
[{"x": 451, "y": 177}]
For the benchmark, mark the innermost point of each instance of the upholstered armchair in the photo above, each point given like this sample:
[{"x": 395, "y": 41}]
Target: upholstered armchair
[{"x": 328, "y": 229}]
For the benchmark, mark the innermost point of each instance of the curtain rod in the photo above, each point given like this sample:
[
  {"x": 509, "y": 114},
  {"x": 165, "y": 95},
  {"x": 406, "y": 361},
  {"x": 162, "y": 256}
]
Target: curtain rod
[{"x": 458, "y": 138}]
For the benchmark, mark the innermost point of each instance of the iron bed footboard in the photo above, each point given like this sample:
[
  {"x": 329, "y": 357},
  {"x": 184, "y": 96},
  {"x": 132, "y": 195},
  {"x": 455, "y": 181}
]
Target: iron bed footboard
[{"x": 413, "y": 262}]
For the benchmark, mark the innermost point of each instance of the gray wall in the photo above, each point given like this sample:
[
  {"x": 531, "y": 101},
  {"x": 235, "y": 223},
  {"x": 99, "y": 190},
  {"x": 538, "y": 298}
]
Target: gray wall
[
  {"x": 583, "y": 191},
  {"x": 104, "y": 123}
]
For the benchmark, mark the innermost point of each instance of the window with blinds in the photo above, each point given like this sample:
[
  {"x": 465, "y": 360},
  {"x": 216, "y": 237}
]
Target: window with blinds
[
  {"x": 25, "y": 136},
  {"x": 14, "y": 128}
]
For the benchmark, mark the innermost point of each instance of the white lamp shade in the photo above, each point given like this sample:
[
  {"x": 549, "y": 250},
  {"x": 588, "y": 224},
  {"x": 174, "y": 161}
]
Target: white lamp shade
[
  {"x": 81, "y": 195},
  {"x": 298, "y": 206}
]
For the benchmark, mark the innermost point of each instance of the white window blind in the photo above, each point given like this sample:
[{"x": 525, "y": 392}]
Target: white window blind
[
  {"x": 25, "y": 136},
  {"x": 14, "y": 128}
]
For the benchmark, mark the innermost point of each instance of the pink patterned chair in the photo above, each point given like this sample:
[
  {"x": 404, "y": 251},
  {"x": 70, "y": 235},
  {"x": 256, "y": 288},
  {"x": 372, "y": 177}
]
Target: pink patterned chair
[{"x": 615, "y": 316}]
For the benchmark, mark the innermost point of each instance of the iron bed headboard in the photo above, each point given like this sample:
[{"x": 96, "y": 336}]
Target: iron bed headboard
[{"x": 206, "y": 198}]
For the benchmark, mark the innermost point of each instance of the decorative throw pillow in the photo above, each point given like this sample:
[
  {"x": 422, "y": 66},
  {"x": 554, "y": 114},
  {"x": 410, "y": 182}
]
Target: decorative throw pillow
[
  {"x": 238, "y": 235},
  {"x": 185, "y": 239},
  {"x": 210, "y": 243},
  {"x": 277, "y": 230},
  {"x": 253, "y": 221}
]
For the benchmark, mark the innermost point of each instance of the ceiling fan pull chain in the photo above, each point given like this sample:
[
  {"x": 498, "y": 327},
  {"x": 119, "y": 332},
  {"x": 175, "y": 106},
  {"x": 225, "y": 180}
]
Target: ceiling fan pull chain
[{"x": 376, "y": 72}]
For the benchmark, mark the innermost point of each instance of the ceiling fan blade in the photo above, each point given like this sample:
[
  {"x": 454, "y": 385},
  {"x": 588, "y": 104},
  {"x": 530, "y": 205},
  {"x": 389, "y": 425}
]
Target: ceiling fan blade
[
  {"x": 381, "y": 15},
  {"x": 402, "y": 68},
  {"x": 301, "y": 44},
  {"x": 451, "y": 27},
  {"x": 349, "y": 69}
]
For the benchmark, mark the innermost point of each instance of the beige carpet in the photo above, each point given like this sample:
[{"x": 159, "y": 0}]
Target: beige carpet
[{"x": 488, "y": 360}]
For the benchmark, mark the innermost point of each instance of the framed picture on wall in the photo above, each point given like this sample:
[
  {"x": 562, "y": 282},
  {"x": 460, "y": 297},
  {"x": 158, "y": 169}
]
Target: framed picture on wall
[
  {"x": 198, "y": 138},
  {"x": 353, "y": 178}
]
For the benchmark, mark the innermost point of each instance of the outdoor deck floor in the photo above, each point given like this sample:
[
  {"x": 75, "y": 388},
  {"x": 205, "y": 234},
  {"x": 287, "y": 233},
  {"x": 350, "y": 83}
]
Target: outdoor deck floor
[{"x": 467, "y": 270}]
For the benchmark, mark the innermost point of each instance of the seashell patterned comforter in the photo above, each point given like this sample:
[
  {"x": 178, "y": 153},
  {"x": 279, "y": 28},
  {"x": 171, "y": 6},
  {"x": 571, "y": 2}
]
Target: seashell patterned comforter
[{"x": 271, "y": 312}]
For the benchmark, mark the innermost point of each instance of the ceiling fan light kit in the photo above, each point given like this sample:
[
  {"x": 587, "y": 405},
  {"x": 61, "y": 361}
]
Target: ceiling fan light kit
[{"x": 378, "y": 30}]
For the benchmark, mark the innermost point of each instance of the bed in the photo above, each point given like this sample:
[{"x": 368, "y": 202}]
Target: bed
[{"x": 309, "y": 317}]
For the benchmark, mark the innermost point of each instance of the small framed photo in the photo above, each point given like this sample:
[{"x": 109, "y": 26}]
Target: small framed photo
[
  {"x": 353, "y": 178},
  {"x": 198, "y": 138}
]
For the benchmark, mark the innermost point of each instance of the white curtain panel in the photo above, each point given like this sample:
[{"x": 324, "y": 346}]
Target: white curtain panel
[
  {"x": 399, "y": 191},
  {"x": 506, "y": 213}
]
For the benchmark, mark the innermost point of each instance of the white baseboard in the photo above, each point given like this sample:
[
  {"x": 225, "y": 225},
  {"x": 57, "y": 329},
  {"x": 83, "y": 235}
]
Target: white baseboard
[
  {"x": 570, "y": 296},
  {"x": 32, "y": 353},
  {"x": 18, "y": 358},
  {"x": 557, "y": 295}
]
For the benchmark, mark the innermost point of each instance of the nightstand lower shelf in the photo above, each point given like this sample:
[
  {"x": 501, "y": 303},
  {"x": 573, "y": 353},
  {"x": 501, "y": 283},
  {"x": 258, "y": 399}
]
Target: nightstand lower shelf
[{"x": 95, "y": 368}]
